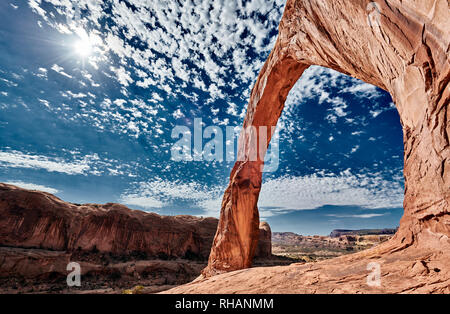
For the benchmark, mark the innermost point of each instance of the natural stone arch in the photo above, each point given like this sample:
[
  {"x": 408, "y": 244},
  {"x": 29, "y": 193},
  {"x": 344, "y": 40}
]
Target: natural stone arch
[{"x": 403, "y": 49}]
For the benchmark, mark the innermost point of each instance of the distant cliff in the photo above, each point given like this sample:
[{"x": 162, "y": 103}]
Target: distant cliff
[{"x": 341, "y": 232}]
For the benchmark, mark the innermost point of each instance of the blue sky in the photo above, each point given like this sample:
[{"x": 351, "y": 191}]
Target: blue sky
[{"x": 90, "y": 92}]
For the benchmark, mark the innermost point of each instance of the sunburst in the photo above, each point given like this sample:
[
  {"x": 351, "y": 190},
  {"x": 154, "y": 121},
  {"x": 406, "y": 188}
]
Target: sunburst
[{"x": 83, "y": 47}]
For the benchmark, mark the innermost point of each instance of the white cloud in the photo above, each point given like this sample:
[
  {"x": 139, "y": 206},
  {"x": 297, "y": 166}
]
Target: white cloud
[
  {"x": 280, "y": 195},
  {"x": 165, "y": 46},
  {"x": 16, "y": 159},
  {"x": 177, "y": 114},
  {"x": 362, "y": 89},
  {"x": 60, "y": 70},
  {"x": 232, "y": 109},
  {"x": 75, "y": 95},
  {"x": 42, "y": 73},
  {"x": 354, "y": 149},
  {"x": 377, "y": 111},
  {"x": 46, "y": 103},
  {"x": 123, "y": 76},
  {"x": 32, "y": 186},
  {"x": 362, "y": 216},
  {"x": 141, "y": 201},
  {"x": 213, "y": 37},
  {"x": 35, "y": 6}
]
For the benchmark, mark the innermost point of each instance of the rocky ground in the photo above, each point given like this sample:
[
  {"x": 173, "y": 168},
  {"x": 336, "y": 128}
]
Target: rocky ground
[{"x": 44, "y": 271}]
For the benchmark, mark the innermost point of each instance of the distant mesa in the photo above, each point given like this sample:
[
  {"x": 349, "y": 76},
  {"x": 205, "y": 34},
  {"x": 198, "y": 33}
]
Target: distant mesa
[{"x": 340, "y": 232}]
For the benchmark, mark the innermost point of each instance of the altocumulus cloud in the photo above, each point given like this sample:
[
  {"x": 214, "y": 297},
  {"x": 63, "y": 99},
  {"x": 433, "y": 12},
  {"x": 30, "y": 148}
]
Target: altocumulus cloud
[
  {"x": 315, "y": 84},
  {"x": 214, "y": 48},
  {"x": 196, "y": 47},
  {"x": 316, "y": 190},
  {"x": 185, "y": 41}
]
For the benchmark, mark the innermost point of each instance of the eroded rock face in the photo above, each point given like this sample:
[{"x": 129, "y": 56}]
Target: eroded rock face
[
  {"x": 40, "y": 220},
  {"x": 33, "y": 219},
  {"x": 399, "y": 46},
  {"x": 264, "y": 248}
]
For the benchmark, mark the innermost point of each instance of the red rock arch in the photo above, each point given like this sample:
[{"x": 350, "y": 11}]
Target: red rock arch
[{"x": 404, "y": 49}]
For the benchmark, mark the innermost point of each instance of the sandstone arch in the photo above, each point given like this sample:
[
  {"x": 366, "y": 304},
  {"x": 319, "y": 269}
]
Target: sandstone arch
[{"x": 404, "y": 49}]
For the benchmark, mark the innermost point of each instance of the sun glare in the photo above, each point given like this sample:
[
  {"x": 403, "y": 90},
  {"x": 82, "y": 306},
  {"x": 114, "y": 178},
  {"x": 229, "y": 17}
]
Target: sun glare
[{"x": 83, "y": 48}]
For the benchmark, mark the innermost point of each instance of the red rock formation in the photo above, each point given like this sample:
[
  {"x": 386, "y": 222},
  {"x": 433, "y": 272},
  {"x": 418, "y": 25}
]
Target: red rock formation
[
  {"x": 399, "y": 46},
  {"x": 33, "y": 219},
  {"x": 264, "y": 248}
]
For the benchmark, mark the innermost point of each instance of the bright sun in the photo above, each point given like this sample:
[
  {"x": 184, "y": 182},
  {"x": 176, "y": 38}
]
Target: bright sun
[{"x": 83, "y": 48}]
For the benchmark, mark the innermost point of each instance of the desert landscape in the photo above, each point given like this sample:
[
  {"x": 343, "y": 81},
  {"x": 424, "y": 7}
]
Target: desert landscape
[
  {"x": 128, "y": 251},
  {"x": 395, "y": 57},
  {"x": 108, "y": 102}
]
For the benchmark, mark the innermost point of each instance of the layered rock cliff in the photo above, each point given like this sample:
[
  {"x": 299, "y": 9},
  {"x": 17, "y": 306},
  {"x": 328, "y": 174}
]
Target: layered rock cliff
[
  {"x": 340, "y": 232},
  {"x": 31, "y": 219},
  {"x": 399, "y": 46}
]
